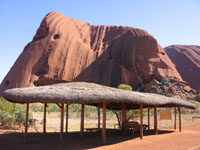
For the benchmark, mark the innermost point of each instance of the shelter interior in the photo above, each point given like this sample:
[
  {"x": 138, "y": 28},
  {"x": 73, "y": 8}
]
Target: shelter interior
[{"x": 124, "y": 127}]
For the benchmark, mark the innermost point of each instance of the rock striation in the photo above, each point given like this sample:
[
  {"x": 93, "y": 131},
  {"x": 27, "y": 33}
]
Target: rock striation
[
  {"x": 66, "y": 49},
  {"x": 187, "y": 61}
]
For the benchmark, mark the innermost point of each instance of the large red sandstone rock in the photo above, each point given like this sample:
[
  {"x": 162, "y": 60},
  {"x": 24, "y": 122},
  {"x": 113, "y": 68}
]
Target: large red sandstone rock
[
  {"x": 65, "y": 49},
  {"x": 187, "y": 62}
]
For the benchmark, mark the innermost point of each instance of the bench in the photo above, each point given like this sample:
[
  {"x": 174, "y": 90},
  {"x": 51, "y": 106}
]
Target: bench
[
  {"x": 93, "y": 129},
  {"x": 134, "y": 126},
  {"x": 98, "y": 130}
]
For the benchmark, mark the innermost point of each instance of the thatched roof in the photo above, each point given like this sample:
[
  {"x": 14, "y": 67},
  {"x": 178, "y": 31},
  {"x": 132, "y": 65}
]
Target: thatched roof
[{"x": 90, "y": 93}]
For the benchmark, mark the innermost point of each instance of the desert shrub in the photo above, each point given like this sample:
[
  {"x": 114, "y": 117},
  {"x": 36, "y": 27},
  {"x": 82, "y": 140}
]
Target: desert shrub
[
  {"x": 164, "y": 81},
  {"x": 40, "y": 108},
  {"x": 10, "y": 107},
  {"x": 183, "y": 84},
  {"x": 20, "y": 117},
  {"x": 192, "y": 95},
  {"x": 53, "y": 108},
  {"x": 132, "y": 114},
  {"x": 189, "y": 111},
  {"x": 197, "y": 110},
  {"x": 13, "y": 114},
  {"x": 36, "y": 108},
  {"x": 125, "y": 87},
  {"x": 7, "y": 106},
  {"x": 196, "y": 103},
  {"x": 75, "y": 110},
  {"x": 6, "y": 119},
  {"x": 90, "y": 112}
]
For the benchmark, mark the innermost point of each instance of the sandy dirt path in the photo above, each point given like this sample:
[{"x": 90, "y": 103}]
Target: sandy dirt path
[{"x": 188, "y": 139}]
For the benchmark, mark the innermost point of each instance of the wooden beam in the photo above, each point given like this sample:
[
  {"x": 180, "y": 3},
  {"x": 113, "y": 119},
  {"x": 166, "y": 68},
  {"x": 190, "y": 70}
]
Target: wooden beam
[
  {"x": 141, "y": 121},
  {"x": 82, "y": 120},
  {"x": 67, "y": 117},
  {"x": 58, "y": 105},
  {"x": 104, "y": 123},
  {"x": 61, "y": 124},
  {"x": 155, "y": 120},
  {"x": 26, "y": 122},
  {"x": 44, "y": 119},
  {"x": 175, "y": 118},
  {"x": 99, "y": 116},
  {"x": 179, "y": 111},
  {"x": 148, "y": 118}
]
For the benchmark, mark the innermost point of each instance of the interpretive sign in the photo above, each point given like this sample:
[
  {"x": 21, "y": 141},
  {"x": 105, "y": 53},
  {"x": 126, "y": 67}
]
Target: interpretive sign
[{"x": 165, "y": 115}]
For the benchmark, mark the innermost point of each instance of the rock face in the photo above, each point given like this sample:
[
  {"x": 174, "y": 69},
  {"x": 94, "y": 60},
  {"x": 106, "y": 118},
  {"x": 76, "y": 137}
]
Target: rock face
[
  {"x": 187, "y": 62},
  {"x": 65, "y": 49}
]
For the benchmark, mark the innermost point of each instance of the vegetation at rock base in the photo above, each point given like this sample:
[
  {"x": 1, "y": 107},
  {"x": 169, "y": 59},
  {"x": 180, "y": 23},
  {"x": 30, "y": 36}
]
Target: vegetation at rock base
[
  {"x": 171, "y": 88},
  {"x": 125, "y": 87}
]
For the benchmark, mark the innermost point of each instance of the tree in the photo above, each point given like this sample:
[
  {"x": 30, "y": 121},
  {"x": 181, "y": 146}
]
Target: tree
[{"x": 118, "y": 113}]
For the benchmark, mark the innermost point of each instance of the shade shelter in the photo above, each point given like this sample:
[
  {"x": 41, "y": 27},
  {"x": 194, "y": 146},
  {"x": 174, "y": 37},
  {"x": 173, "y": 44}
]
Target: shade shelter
[{"x": 93, "y": 94}]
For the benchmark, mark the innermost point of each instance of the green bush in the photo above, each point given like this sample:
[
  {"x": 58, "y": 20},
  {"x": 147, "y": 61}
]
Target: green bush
[
  {"x": 13, "y": 114},
  {"x": 53, "y": 108},
  {"x": 75, "y": 110},
  {"x": 125, "y": 87},
  {"x": 196, "y": 103},
  {"x": 165, "y": 81},
  {"x": 37, "y": 108},
  {"x": 197, "y": 110},
  {"x": 20, "y": 117},
  {"x": 6, "y": 119},
  {"x": 90, "y": 112},
  {"x": 7, "y": 106}
]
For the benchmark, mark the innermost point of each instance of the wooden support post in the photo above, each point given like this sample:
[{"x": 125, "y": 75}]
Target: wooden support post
[
  {"x": 123, "y": 116},
  {"x": 44, "y": 119},
  {"x": 179, "y": 111},
  {"x": 148, "y": 118},
  {"x": 141, "y": 121},
  {"x": 61, "y": 124},
  {"x": 99, "y": 115},
  {"x": 82, "y": 121},
  {"x": 26, "y": 123},
  {"x": 67, "y": 111},
  {"x": 104, "y": 123},
  {"x": 175, "y": 118},
  {"x": 155, "y": 120}
]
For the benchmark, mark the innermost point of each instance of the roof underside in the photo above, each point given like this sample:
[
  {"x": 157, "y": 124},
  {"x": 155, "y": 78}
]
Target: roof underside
[{"x": 91, "y": 94}]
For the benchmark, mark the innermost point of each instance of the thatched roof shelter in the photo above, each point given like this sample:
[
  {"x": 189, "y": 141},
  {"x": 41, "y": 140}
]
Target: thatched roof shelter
[
  {"x": 93, "y": 94},
  {"x": 90, "y": 93}
]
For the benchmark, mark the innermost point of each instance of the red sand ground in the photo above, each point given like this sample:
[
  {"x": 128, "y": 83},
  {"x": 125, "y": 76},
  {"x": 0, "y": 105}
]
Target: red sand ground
[{"x": 188, "y": 139}]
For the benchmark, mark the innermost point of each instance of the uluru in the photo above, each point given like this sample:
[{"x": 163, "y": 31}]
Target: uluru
[
  {"x": 65, "y": 49},
  {"x": 187, "y": 61}
]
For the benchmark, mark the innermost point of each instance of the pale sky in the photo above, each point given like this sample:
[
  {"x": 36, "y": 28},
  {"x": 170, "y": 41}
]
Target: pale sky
[{"x": 169, "y": 21}]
